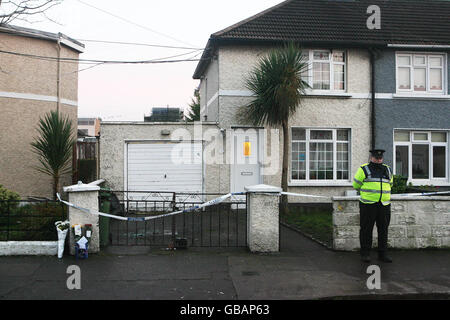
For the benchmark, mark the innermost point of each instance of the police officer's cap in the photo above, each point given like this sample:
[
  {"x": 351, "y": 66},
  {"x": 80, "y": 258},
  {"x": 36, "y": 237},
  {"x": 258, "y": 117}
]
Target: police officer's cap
[{"x": 377, "y": 153}]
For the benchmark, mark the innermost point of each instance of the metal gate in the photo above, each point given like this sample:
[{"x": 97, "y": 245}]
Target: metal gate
[{"x": 220, "y": 225}]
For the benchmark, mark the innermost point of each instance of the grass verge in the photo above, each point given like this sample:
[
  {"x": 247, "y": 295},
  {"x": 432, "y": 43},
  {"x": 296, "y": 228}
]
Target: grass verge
[{"x": 315, "y": 224}]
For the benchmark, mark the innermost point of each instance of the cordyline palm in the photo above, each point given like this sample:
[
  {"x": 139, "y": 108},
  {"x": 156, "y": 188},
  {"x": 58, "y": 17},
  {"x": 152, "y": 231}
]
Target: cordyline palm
[
  {"x": 277, "y": 89},
  {"x": 54, "y": 147}
]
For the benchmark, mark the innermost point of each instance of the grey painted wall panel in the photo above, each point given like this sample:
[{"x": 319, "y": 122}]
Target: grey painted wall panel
[
  {"x": 413, "y": 114},
  {"x": 385, "y": 70}
]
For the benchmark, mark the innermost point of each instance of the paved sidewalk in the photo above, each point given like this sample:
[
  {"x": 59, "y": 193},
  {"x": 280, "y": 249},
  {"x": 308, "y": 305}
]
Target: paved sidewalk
[{"x": 302, "y": 270}]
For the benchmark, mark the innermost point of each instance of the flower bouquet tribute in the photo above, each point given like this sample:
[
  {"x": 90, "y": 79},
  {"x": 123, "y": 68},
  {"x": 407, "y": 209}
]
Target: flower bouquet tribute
[{"x": 62, "y": 228}]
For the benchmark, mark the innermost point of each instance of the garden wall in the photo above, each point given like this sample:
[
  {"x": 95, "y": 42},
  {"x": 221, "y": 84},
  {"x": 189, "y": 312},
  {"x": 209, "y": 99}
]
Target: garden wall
[
  {"x": 416, "y": 222},
  {"x": 26, "y": 248}
]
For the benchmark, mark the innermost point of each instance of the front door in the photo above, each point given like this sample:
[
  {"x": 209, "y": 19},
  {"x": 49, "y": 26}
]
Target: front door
[{"x": 247, "y": 151}]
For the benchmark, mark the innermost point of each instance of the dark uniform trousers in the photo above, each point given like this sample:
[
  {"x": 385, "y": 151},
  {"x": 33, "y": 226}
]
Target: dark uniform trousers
[{"x": 369, "y": 215}]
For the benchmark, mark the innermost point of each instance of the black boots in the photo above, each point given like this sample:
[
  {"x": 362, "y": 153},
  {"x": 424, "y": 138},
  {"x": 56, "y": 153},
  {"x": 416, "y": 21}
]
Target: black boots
[
  {"x": 365, "y": 256},
  {"x": 382, "y": 256}
]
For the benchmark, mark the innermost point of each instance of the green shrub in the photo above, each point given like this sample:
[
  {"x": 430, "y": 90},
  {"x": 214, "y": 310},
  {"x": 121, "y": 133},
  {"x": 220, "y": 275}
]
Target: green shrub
[
  {"x": 31, "y": 221},
  {"x": 6, "y": 195},
  {"x": 423, "y": 188},
  {"x": 399, "y": 185}
]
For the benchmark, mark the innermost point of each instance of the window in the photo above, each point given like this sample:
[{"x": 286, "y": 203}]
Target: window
[
  {"x": 421, "y": 155},
  {"x": 402, "y": 160},
  {"x": 420, "y": 164},
  {"x": 321, "y": 70},
  {"x": 320, "y": 154},
  {"x": 86, "y": 122},
  {"x": 339, "y": 70},
  {"x": 326, "y": 70},
  {"x": 84, "y": 132},
  {"x": 420, "y": 73}
]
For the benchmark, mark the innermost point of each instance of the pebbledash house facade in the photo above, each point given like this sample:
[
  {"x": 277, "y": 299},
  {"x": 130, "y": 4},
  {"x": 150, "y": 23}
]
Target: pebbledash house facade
[{"x": 385, "y": 88}]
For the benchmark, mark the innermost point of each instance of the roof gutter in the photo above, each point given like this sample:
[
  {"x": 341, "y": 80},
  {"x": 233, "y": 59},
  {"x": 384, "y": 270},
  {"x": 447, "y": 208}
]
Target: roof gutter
[
  {"x": 59, "y": 37},
  {"x": 304, "y": 42},
  {"x": 71, "y": 44},
  {"x": 204, "y": 60},
  {"x": 420, "y": 46}
]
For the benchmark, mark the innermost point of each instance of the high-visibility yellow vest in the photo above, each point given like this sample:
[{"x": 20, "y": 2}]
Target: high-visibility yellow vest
[{"x": 374, "y": 186}]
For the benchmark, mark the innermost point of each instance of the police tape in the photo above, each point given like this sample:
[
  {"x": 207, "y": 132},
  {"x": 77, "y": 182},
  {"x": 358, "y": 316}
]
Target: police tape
[
  {"x": 217, "y": 201},
  {"x": 90, "y": 211},
  {"x": 401, "y": 194},
  {"x": 292, "y": 194},
  {"x": 303, "y": 195},
  {"x": 190, "y": 209},
  {"x": 421, "y": 194}
]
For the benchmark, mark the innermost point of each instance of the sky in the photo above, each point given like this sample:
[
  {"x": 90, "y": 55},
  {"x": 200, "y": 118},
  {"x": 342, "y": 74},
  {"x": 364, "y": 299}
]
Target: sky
[{"x": 127, "y": 92}]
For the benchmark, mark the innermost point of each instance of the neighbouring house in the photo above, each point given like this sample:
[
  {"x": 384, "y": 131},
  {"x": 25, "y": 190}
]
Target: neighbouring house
[
  {"x": 412, "y": 106},
  {"x": 33, "y": 81},
  {"x": 404, "y": 108},
  {"x": 89, "y": 126}
]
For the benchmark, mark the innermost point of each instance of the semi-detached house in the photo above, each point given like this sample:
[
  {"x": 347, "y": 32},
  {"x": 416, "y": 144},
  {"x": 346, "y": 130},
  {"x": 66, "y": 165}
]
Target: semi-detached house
[{"x": 385, "y": 88}]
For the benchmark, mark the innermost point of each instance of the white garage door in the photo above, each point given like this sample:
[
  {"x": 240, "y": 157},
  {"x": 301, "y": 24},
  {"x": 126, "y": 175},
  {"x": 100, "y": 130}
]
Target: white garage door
[{"x": 164, "y": 166}]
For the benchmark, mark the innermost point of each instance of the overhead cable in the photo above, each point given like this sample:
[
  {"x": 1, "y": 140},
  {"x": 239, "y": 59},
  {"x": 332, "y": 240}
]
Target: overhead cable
[
  {"x": 94, "y": 61},
  {"x": 138, "y": 44},
  {"x": 133, "y": 23}
]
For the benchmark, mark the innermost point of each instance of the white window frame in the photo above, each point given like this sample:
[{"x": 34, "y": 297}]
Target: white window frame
[
  {"x": 412, "y": 65},
  {"x": 431, "y": 180},
  {"x": 307, "y": 142},
  {"x": 310, "y": 80},
  {"x": 344, "y": 63}
]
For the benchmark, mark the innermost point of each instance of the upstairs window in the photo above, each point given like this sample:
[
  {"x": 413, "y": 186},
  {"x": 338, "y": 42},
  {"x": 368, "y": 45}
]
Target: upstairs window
[
  {"x": 327, "y": 70},
  {"x": 420, "y": 73}
]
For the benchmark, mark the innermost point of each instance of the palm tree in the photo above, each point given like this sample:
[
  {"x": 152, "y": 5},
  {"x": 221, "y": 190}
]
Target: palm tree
[
  {"x": 54, "y": 147},
  {"x": 277, "y": 88}
]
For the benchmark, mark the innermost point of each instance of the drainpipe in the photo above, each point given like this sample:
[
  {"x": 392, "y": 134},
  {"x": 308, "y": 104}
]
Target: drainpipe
[
  {"x": 372, "y": 86},
  {"x": 206, "y": 99},
  {"x": 58, "y": 76}
]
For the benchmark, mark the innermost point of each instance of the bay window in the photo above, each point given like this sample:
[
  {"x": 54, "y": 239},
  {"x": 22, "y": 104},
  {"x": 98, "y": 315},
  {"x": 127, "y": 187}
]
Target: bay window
[
  {"x": 420, "y": 73},
  {"x": 320, "y": 154},
  {"x": 422, "y": 156}
]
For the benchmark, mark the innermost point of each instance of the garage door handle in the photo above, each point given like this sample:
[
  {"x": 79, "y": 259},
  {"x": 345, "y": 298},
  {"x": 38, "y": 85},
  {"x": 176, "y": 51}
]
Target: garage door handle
[{"x": 165, "y": 176}]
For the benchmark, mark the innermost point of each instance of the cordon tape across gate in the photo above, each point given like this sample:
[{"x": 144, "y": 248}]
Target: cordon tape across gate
[
  {"x": 194, "y": 208},
  {"x": 214, "y": 202}
]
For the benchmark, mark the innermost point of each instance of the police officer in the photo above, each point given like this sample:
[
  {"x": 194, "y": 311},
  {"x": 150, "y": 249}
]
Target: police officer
[{"x": 374, "y": 181}]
